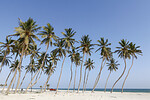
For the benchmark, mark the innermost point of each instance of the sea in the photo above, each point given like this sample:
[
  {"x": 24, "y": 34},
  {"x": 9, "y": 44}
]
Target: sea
[{"x": 116, "y": 90}]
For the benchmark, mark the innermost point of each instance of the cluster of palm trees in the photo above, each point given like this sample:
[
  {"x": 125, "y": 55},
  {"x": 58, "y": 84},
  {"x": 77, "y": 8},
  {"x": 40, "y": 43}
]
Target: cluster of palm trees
[{"x": 46, "y": 62}]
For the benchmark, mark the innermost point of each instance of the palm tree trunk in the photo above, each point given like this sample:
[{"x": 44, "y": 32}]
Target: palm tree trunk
[
  {"x": 60, "y": 74},
  {"x": 46, "y": 82},
  {"x": 39, "y": 69},
  {"x": 23, "y": 80},
  {"x": 85, "y": 74},
  {"x": 80, "y": 73},
  {"x": 127, "y": 74},
  {"x": 70, "y": 77},
  {"x": 84, "y": 79},
  {"x": 22, "y": 54},
  {"x": 98, "y": 76},
  {"x": 3, "y": 61},
  {"x": 18, "y": 82},
  {"x": 6, "y": 81},
  {"x": 31, "y": 79},
  {"x": 120, "y": 76},
  {"x": 87, "y": 79},
  {"x": 75, "y": 79},
  {"x": 37, "y": 75},
  {"x": 13, "y": 84},
  {"x": 107, "y": 81}
]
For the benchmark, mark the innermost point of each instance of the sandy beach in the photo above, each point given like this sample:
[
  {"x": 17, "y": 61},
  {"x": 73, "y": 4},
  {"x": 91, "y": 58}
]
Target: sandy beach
[{"x": 63, "y": 95}]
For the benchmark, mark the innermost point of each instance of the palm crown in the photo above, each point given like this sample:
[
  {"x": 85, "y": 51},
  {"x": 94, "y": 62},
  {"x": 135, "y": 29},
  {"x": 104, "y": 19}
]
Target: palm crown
[
  {"x": 112, "y": 65},
  {"x": 123, "y": 51},
  {"x": 134, "y": 50},
  {"x": 69, "y": 41},
  {"x": 105, "y": 51},
  {"x": 48, "y": 34},
  {"x": 86, "y": 45},
  {"x": 89, "y": 64}
]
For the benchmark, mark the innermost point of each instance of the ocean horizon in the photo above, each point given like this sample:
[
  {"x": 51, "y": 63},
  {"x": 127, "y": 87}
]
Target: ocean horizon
[{"x": 108, "y": 90}]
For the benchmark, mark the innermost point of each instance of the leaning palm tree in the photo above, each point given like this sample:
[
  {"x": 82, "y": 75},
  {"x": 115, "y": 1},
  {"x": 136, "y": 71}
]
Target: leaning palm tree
[
  {"x": 86, "y": 48},
  {"x": 112, "y": 65},
  {"x": 13, "y": 68},
  {"x": 25, "y": 31},
  {"x": 105, "y": 52},
  {"x": 48, "y": 36},
  {"x": 30, "y": 68},
  {"x": 7, "y": 46},
  {"x": 134, "y": 50},
  {"x": 61, "y": 52},
  {"x": 49, "y": 70},
  {"x": 77, "y": 61},
  {"x": 123, "y": 52},
  {"x": 67, "y": 42},
  {"x": 88, "y": 65}
]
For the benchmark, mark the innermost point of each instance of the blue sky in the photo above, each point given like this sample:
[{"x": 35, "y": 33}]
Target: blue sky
[{"x": 111, "y": 19}]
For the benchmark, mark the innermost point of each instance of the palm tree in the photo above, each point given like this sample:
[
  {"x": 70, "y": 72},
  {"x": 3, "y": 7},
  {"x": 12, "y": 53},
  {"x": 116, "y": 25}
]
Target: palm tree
[
  {"x": 26, "y": 32},
  {"x": 112, "y": 65},
  {"x": 86, "y": 48},
  {"x": 30, "y": 68},
  {"x": 49, "y": 70},
  {"x": 134, "y": 50},
  {"x": 8, "y": 45},
  {"x": 123, "y": 52},
  {"x": 13, "y": 68},
  {"x": 88, "y": 65},
  {"x": 60, "y": 51},
  {"x": 69, "y": 42},
  {"x": 48, "y": 36},
  {"x": 77, "y": 61},
  {"x": 66, "y": 42},
  {"x": 72, "y": 58},
  {"x": 105, "y": 52}
]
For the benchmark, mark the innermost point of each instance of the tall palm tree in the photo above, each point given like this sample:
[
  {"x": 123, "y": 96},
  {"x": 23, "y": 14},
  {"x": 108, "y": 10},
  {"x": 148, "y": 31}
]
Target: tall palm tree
[
  {"x": 77, "y": 61},
  {"x": 88, "y": 65},
  {"x": 25, "y": 31},
  {"x": 7, "y": 46},
  {"x": 123, "y": 52},
  {"x": 134, "y": 50},
  {"x": 112, "y": 65},
  {"x": 86, "y": 48},
  {"x": 69, "y": 42},
  {"x": 60, "y": 51},
  {"x": 105, "y": 52},
  {"x": 48, "y": 36},
  {"x": 72, "y": 58}
]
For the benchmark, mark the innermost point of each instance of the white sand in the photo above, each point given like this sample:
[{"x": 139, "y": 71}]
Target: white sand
[{"x": 63, "y": 95}]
